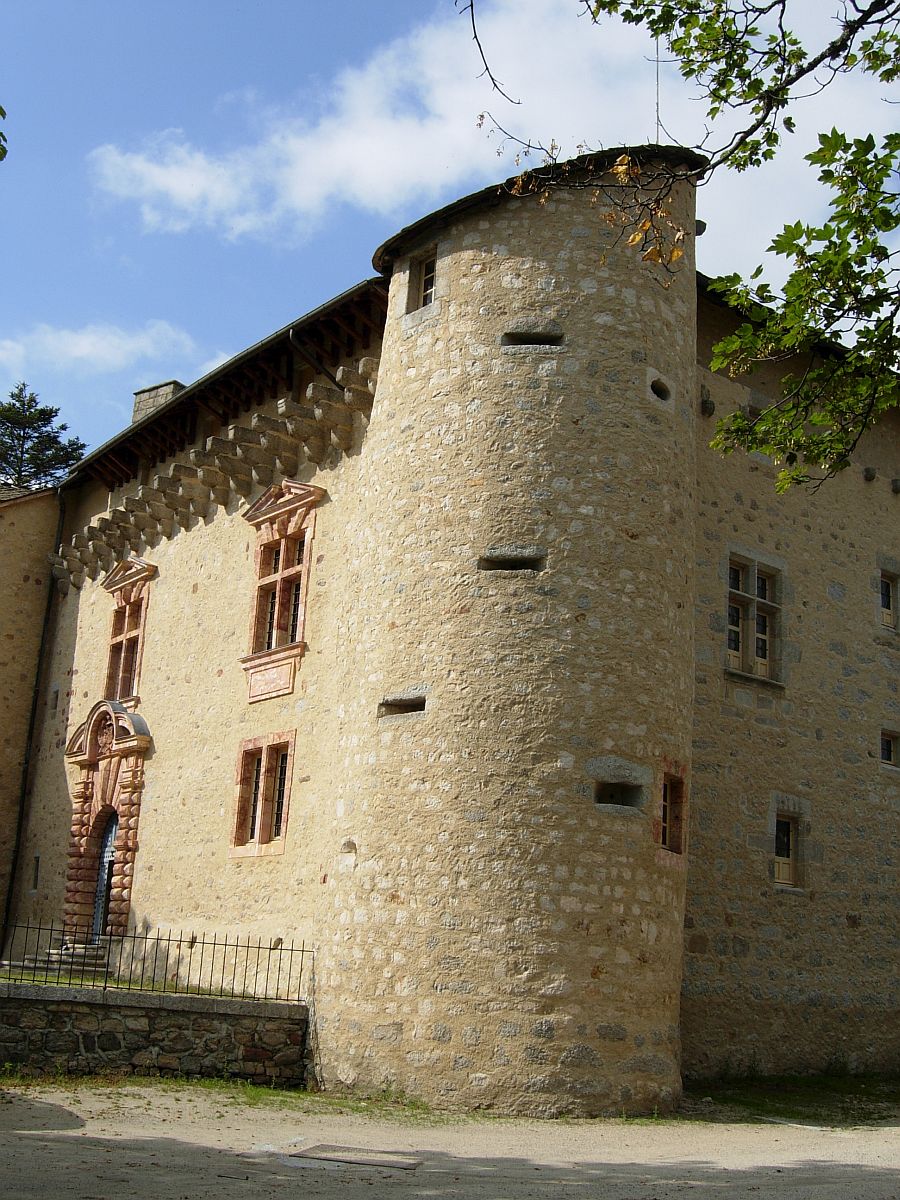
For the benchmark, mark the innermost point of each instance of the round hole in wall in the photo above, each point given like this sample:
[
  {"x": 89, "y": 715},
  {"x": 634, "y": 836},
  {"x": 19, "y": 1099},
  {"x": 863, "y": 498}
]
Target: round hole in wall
[{"x": 661, "y": 390}]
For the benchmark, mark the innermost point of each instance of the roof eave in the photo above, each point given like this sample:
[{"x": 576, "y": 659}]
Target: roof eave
[{"x": 530, "y": 182}]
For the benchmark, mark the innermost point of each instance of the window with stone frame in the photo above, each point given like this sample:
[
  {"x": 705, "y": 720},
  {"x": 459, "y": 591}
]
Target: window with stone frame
[
  {"x": 422, "y": 280},
  {"x": 888, "y": 600},
  {"x": 671, "y": 825},
  {"x": 127, "y": 583},
  {"x": 264, "y": 771},
  {"x": 284, "y": 519},
  {"x": 786, "y": 849},
  {"x": 753, "y": 619},
  {"x": 280, "y": 599},
  {"x": 888, "y": 752}
]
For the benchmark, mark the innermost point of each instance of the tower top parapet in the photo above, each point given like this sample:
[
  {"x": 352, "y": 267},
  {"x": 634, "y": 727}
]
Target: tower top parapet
[{"x": 582, "y": 171}]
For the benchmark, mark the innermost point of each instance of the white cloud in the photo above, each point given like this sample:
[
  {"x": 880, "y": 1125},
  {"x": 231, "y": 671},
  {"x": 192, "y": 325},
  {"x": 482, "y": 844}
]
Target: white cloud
[
  {"x": 215, "y": 360},
  {"x": 401, "y": 128},
  {"x": 400, "y": 131},
  {"x": 93, "y": 349}
]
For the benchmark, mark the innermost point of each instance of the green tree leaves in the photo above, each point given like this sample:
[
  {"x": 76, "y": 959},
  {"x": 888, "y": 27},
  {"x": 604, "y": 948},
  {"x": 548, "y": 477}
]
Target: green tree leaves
[{"x": 834, "y": 324}]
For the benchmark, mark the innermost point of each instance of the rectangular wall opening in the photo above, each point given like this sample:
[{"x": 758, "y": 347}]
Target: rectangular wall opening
[
  {"x": 529, "y": 338},
  {"x": 399, "y": 706},
  {"x": 512, "y": 562},
  {"x": 626, "y": 795}
]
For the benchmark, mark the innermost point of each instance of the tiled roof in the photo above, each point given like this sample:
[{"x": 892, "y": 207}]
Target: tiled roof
[
  {"x": 19, "y": 493},
  {"x": 10, "y": 493}
]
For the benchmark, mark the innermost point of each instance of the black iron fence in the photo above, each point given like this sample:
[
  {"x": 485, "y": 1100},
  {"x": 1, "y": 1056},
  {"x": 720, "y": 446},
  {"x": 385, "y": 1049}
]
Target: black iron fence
[{"x": 240, "y": 967}]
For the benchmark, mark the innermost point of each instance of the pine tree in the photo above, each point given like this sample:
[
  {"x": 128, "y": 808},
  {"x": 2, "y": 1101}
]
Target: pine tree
[{"x": 33, "y": 452}]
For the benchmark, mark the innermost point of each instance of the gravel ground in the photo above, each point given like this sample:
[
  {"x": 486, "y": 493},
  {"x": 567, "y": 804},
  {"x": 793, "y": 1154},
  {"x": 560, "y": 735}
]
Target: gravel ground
[{"x": 148, "y": 1142}]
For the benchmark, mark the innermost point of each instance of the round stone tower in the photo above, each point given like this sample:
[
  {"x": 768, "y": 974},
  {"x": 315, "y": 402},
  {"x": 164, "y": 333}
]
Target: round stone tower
[{"x": 502, "y": 922}]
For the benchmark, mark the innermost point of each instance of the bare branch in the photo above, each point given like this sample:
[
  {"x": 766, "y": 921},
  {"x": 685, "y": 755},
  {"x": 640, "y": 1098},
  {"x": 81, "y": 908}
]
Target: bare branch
[{"x": 468, "y": 6}]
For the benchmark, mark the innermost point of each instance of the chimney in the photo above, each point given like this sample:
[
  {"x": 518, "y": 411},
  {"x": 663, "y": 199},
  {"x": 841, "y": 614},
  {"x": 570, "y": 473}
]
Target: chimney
[{"x": 148, "y": 399}]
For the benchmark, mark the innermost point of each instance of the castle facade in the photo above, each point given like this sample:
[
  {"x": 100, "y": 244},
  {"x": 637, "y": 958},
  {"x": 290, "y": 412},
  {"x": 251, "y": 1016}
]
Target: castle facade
[{"x": 430, "y": 631}]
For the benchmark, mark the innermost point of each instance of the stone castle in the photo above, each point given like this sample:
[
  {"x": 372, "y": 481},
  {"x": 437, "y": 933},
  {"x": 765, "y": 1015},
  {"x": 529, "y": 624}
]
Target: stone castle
[{"x": 429, "y": 630}]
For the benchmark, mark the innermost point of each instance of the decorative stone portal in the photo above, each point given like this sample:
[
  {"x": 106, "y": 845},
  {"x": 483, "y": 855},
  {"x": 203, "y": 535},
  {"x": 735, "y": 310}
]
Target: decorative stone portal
[{"x": 108, "y": 749}]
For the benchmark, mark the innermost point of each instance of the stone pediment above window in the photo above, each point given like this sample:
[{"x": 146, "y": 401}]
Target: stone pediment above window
[
  {"x": 129, "y": 573},
  {"x": 284, "y": 519},
  {"x": 282, "y": 509}
]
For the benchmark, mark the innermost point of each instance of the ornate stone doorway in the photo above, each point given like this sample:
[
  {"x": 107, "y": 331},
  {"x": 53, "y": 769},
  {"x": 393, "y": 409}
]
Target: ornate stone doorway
[{"x": 108, "y": 750}]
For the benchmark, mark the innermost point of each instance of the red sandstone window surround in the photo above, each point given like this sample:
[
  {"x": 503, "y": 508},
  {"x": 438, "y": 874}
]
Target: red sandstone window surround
[
  {"x": 127, "y": 583},
  {"x": 264, "y": 771},
  {"x": 284, "y": 519}
]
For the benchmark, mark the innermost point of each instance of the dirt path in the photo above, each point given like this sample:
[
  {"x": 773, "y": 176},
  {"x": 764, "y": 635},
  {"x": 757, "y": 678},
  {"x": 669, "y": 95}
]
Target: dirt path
[{"x": 185, "y": 1143}]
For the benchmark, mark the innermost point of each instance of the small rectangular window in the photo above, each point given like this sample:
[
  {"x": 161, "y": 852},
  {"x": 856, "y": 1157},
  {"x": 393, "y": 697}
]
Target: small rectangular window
[
  {"x": 36, "y": 872},
  {"x": 888, "y": 601},
  {"x": 671, "y": 830},
  {"x": 889, "y": 742},
  {"x": 264, "y": 779},
  {"x": 429, "y": 270},
  {"x": 786, "y": 850},
  {"x": 422, "y": 281}
]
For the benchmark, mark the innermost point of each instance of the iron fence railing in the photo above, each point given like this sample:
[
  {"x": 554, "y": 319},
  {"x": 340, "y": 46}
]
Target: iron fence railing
[{"x": 239, "y": 967}]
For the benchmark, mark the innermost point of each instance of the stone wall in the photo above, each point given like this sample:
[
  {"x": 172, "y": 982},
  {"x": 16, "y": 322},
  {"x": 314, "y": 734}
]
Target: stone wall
[
  {"x": 52, "y": 1029},
  {"x": 500, "y": 936},
  {"x": 27, "y": 527},
  {"x": 794, "y": 978},
  {"x": 491, "y": 930}
]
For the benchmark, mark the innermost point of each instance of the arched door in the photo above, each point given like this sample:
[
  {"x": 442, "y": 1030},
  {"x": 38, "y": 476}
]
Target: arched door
[{"x": 104, "y": 878}]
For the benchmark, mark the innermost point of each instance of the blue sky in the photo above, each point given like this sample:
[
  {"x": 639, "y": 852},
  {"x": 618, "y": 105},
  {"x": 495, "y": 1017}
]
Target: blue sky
[{"x": 184, "y": 178}]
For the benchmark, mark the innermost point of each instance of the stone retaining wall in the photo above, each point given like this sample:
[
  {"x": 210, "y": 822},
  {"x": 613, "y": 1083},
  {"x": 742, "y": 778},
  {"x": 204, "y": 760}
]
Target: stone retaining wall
[{"x": 76, "y": 1029}]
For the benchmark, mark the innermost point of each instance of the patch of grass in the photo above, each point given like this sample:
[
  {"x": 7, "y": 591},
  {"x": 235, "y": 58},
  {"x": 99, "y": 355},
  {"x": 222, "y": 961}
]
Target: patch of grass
[
  {"x": 833, "y": 1100},
  {"x": 99, "y": 979},
  {"x": 387, "y": 1104}
]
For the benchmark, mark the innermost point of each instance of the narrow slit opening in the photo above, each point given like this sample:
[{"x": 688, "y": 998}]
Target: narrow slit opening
[
  {"x": 515, "y": 337},
  {"x": 401, "y": 705},
  {"x": 512, "y": 562}
]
